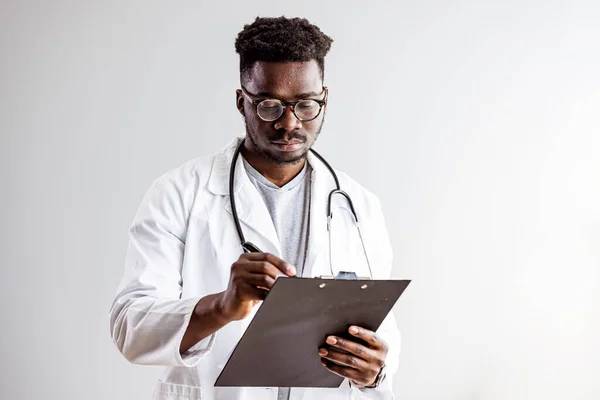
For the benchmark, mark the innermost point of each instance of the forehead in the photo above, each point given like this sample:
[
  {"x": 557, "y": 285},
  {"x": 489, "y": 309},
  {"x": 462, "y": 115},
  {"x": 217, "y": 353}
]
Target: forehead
[{"x": 284, "y": 79}]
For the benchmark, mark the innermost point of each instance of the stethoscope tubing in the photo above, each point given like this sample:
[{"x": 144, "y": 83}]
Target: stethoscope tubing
[{"x": 249, "y": 247}]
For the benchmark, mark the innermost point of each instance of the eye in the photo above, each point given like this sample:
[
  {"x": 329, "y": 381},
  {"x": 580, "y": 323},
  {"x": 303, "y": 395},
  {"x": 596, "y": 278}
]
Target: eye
[
  {"x": 270, "y": 104},
  {"x": 307, "y": 104}
]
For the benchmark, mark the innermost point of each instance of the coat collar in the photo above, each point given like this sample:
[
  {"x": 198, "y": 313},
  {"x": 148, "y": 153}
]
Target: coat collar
[
  {"x": 218, "y": 182},
  {"x": 254, "y": 216}
]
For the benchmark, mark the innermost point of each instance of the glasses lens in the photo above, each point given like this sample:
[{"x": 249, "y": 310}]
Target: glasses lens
[
  {"x": 269, "y": 110},
  {"x": 307, "y": 109}
]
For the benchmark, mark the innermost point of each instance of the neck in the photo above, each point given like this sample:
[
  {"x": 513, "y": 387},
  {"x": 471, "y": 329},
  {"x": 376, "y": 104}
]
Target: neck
[{"x": 278, "y": 174}]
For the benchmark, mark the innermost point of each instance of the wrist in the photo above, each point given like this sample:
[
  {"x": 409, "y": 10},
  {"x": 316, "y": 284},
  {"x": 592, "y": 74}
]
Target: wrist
[
  {"x": 218, "y": 306},
  {"x": 378, "y": 379}
]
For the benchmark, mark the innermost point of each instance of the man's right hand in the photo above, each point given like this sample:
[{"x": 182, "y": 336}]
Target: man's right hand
[{"x": 252, "y": 276}]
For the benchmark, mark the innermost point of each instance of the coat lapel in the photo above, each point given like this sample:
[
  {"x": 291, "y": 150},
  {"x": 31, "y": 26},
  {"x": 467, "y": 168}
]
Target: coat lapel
[{"x": 255, "y": 220}]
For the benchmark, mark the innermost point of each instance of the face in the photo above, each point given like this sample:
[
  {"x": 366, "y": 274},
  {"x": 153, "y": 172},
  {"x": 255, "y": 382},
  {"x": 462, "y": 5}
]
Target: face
[{"x": 286, "y": 140}]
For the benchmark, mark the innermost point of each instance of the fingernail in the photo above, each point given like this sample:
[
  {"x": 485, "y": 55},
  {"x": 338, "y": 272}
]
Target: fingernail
[
  {"x": 331, "y": 340},
  {"x": 353, "y": 329},
  {"x": 322, "y": 352},
  {"x": 291, "y": 270}
]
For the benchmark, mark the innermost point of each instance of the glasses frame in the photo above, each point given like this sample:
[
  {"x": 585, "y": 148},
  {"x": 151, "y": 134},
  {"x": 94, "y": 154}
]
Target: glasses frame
[{"x": 286, "y": 104}]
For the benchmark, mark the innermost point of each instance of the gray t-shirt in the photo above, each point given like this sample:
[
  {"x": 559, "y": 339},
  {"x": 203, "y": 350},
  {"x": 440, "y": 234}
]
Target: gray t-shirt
[{"x": 289, "y": 207}]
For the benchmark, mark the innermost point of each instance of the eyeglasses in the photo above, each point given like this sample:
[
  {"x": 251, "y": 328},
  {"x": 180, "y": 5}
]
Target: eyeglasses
[{"x": 270, "y": 110}]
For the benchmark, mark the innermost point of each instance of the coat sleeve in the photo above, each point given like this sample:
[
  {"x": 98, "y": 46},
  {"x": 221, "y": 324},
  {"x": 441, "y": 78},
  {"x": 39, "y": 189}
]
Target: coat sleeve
[
  {"x": 388, "y": 330},
  {"x": 148, "y": 317}
]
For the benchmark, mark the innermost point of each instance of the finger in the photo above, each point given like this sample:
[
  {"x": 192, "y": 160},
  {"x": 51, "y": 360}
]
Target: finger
[
  {"x": 243, "y": 268},
  {"x": 259, "y": 280},
  {"x": 250, "y": 292},
  {"x": 351, "y": 347},
  {"x": 281, "y": 265},
  {"x": 370, "y": 337},
  {"x": 263, "y": 268},
  {"x": 344, "y": 372},
  {"x": 343, "y": 359}
]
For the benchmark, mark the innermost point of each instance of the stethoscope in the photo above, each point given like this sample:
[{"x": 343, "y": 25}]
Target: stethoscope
[{"x": 250, "y": 247}]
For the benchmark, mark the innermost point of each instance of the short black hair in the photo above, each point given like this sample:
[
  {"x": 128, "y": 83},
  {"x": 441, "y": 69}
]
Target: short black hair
[{"x": 281, "y": 40}]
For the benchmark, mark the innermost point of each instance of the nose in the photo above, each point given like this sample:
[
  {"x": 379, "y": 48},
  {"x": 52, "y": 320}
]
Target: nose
[{"x": 288, "y": 121}]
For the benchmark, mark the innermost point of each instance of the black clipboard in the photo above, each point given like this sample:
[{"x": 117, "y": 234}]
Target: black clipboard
[{"x": 280, "y": 346}]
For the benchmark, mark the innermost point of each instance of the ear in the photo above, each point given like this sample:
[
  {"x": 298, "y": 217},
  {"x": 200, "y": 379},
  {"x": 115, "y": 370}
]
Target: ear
[
  {"x": 239, "y": 101},
  {"x": 326, "y": 95}
]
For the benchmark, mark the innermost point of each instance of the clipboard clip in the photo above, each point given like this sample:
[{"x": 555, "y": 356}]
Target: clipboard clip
[{"x": 345, "y": 275}]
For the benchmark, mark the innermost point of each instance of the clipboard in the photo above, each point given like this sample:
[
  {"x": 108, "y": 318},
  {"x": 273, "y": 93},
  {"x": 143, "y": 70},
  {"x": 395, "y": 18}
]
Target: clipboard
[{"x": 280, "y": 346}]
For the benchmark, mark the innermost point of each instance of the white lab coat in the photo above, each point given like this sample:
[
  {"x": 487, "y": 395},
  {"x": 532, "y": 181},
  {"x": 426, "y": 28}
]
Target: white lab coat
[{"x": 182, "y": 244}]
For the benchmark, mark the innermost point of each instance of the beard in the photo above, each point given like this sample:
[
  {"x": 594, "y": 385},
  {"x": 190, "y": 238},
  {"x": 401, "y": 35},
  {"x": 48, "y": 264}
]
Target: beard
[{"x": 274, "y": 158}]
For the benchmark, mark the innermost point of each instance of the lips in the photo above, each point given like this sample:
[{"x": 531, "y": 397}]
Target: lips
[
  {"x": 286, "y": 146},
  {"x": 285, "y": 143}
]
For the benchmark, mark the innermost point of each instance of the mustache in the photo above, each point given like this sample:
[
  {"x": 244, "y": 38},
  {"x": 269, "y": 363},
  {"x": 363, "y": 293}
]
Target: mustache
[{"x": 289, "y": 136}]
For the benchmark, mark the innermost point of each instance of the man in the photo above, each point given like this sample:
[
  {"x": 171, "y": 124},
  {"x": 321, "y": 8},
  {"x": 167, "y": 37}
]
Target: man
[{"x": 189, "y": 291}]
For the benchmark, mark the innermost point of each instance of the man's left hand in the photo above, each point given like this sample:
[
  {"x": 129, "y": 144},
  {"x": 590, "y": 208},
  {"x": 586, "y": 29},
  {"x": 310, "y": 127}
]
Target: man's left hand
[{"x": 363, "y": 363}]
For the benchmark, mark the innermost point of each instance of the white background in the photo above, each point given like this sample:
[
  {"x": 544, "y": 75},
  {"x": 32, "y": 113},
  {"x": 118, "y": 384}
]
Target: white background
[{"x": 476, "y": 122}]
